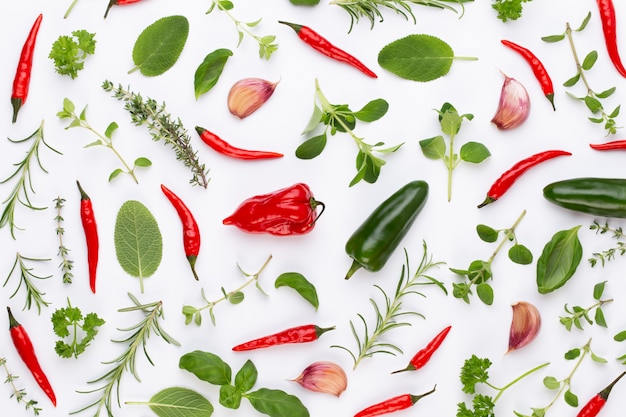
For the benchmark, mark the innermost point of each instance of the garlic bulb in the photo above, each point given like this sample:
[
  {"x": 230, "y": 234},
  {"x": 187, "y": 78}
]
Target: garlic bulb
[
  {"x": 323, "y": 376},
  {"x": 525, "y": 325},
  {"x": 248, "y": 94},
  {"x": 514, "y": 105}
]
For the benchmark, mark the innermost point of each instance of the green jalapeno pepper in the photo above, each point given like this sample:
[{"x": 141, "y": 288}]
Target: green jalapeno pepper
[
  {"x": 599, "y": 196},
  {"x": 373, "y": 242}
]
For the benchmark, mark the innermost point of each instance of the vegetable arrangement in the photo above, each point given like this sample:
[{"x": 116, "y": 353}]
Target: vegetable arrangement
[{"x": 382, "y": 76}]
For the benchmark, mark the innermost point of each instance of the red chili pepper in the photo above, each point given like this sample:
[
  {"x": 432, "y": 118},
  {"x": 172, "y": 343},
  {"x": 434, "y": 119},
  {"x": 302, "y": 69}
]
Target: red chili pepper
[
  {"x": 191, "y": 231},
  {"x": 21, "y": 82},
  {"x": 609, "y": 28},
  {"x": 506, "y": 180},
  {"x": 422, "y": 357},
  {"x": 118, "y": 3},
  {"x": 322, "y": 45},
  {"x": 300, "y": 334},
  {"x": 288, "y": 211},
  {"x": 91, "y": 235},
  {"x": 25, "y": 349},
  {"x": 538, "y": 69},
  {"x": 595, "y": 404},
  {"x": 401, "y": 402},
  {"x": 227, "y": 149},
  {"x": 609, "y": 146}
]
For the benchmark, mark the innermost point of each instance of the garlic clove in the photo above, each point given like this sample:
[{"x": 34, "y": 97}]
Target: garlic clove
[
  {"x": 248, "y": 94},
  {"x": 325, "y": 377},
  {"x": 525, "y": 325},
  {"x": 514, "y": 105}
]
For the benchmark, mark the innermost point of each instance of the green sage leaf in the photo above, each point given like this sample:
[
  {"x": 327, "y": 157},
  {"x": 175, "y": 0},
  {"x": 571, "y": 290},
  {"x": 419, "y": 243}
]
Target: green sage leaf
[
  {"x": 299, "y": 283},
  {"x": 209, "y": 71},
  {"x": 474, "y": 152},
  {"x": 311, "y": 148},
  {"x": 277, "y": 403},
  {"x": 559, "y": 260},
  {"x": 373, "y": 110},
  {"x": 520, "y": 254},
  {"x": 177, "y": 401},
  {"x": 159, "y": 45},
  {"x": 433, "y": 148},
  {"x": 207, "y": 367},
  {"x": 486, "y": 233}
]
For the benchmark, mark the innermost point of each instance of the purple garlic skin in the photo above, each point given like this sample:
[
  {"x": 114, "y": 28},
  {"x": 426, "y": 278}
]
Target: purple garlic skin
[
  {"x": 525, "y": 325},
  {"x": 325, "y": 377},
  {"x": 514, "y": 105},
  {"x": 247, "y": 95}
]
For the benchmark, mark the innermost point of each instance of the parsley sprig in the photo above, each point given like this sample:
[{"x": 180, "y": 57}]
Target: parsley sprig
[
  {"x": 509, "y": 9},
  {"x": 69, "y": 52},
  {"x": 66, "y": 318}
]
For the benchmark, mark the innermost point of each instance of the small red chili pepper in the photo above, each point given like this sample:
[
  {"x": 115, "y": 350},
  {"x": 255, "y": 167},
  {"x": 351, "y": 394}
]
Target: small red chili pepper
[
  {"x": 118, "y": 3},
  {"x": 91, "y": 235},
  {"x": 538, "y": 69},
  {"x": 26, "y": 350},
  {"x": 609, "y": 146},
  {"x": 595, "y": 404},
  {"x": 21, "y": 82},
  {"x": 401, "y": 402},
  {"x": 322, "y": 45},
  {"x": 422, "y": 357},
  {"x": 609, "y": 28},
  {"x": 191, "y": 231},
  {"x": 223, "y": 147},
  {"x": 506, "y": 180},
  {"x": 300, "y": 334},
  {"x": 288, "y": 211}
]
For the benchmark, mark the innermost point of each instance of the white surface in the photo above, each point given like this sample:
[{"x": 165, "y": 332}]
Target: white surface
[{"x": 447, "y": 228}]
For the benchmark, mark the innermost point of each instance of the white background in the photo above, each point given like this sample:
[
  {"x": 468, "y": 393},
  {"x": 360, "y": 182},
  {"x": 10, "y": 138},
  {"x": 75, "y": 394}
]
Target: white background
[{"x": 448, "y": 228}]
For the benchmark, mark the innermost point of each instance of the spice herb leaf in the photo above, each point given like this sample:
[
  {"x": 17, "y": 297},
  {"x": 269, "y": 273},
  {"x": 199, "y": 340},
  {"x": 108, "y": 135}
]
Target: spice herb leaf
[
  {"x": 246, "y": 377},
  {"x": 207, "y": 367},
  {"x": 474, "y": 152},
  {"x": 520, "y": 254},
  {"x": 176, "y": 401},
  {"x": 230, "y": 397},
  {"x": 276, "y": 403},
  {"x": 209, "y": 71},
  {"x": 598, "y": 290},
  {"x": 433, "y": 148},
  {"x": 160, "y": 44},
  {"x": 373, "y": 110},
  {"x": 559, "y": 260},
  {"x": 486, "y": 233},
  {"x": 311, "y": 148},
  {"x": 299, "y": 283}
]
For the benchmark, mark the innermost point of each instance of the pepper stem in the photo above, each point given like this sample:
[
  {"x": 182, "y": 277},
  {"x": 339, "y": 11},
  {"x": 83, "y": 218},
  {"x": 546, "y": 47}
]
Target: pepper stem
[
  {"x": 12, "y": 322},
  {"x": 604, "y": 394},
  {"x": 192, "y": 263},
  {"x": 353, "y": 268},
  {"x": 16, "y": 103},
  {"x": 294, "y": 26},
  {"x": 416, "y": 398},
  {"x": 111, "y": 4}
]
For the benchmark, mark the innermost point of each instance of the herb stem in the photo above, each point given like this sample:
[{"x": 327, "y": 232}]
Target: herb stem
[
  {"x": 519, "y": 378},
  {"x": 19, "y": 394},
  {"x": 69, "y": 9},
  {"x": 579, "y": 67}
]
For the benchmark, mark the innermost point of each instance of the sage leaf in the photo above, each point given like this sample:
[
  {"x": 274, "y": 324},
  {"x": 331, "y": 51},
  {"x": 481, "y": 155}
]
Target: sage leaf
[
  {"x": 177, "y": 401},
  {"x": 159, "y": 45},
  {"x": 206, "y": 367},
  {"x": 299, "y": 283},
  {"x": 277, "y": 403},
  {"x": 559, "y": 260},
  {"x": 138, "y": 241},
  {"x": 209, "y": 71},
  {"x": 417, "y": 57}
]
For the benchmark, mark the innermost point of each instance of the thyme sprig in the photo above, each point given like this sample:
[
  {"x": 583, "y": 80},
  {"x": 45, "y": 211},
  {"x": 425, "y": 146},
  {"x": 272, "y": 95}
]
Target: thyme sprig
[
  {"x": 162, "y": 127},
  {"x": 18, "y": 393},
  {"x": 27, "y": 278},
  {"x": 608, "y": 254},
  {"x": 66, "y": 264},
  {"x": 391, "y": 315},
  {"x": 20, "y": 194},
  {"x": 127, "y": 361}
]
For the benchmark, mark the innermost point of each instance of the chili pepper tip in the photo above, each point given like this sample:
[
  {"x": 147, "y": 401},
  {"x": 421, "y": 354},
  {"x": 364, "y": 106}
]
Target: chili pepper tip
[{"x": 353, "y": 268}]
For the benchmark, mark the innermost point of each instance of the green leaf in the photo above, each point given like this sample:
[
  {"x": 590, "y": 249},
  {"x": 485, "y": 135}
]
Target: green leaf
[
  {"x": 110, "y": 129},
  {"x": 620, "y": 337},
  {"x": 485, "y": 293},
  {"x": 299, "y": 283},
  {"x": 598, "y": 290},
  {"x": 311, "y": 148},
  {"x": 520, "y": 254},
  {"x": 138, "y": 241},
  {"x": 230, "y": 397},
  {"x": 177, "y": 401},
  {"x": 142, "y": 162},
  {"x": 593, "y": 104},
  {"x": 572, "y": 354},
  {"x": 553, "y": 38},
  {"x": 236, "y": 297},
  {"x": 570, "y": 398},
  {"x": 209, "y": 71},
  {"x": 572, "y": 81},
  {"x": 277, "y": 403},
  {"x": 246, "y": 377},
  {"x": 590, "y": 60},
  {"x": 207, "y": 367},
  {"x": 305, "y": 2},
  {"x": 433, "y": 148},
  {"x": 115, "y": 173},
  {"x": 584, "y": 23},
  {"x": 417, "y": 57},
  {"x": 551, "y": 383},
  {"x": 606, "y": 93},
  {"x": 474, "y": 152},
  {"x": 159, "y": 45},
  {"x": 559, "y": 260},
  {"x": 226, "y": 4},
  {"x": 599, "y": 318},
  {"x": 486, "y": 233},
  {"x": 316, "y": 119},
  {"x": 373, "y": 110}
]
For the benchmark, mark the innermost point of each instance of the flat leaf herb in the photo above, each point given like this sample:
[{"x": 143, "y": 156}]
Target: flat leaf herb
[
  {"x": 66, "y": 318},
  {"x": 559, "y": 260},
  {"x": 300, "y": 284},
  {"x": 177, "y": 401},
  {"x": 208, "y": 72}
]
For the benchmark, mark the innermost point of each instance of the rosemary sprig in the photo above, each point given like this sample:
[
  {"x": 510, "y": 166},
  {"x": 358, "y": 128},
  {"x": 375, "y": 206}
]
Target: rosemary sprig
[
  {"x": 66, "y": 264},
  {"x": 389, "y": 316},
  {"x": 127, "y": 360},
  {"x": 18, "y": 393},
  {"x": 27, "y": 277},
  {"x": 608, "y": 254},
  {"x": 23, "y": 173},
  {"x": 162, "y": 127}
]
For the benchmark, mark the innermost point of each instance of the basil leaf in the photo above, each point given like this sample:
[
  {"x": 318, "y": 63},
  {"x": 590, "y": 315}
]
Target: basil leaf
[
  {"x": 176, "y": 401},
  {"x": 159, "y": 45},
  {"x": 207, "y": 367},
  {"x": 230, "y": 397},
  {"x": 138, "y": 241},
  {"x": 373, "y": 110},
  {"x": 277, "y": 403},
  {"x": 208, "y": 72},
  {"x": 299, "y": 283},
  {"x": 559, "y": 260},
  {"x": 246, "y": 377}
]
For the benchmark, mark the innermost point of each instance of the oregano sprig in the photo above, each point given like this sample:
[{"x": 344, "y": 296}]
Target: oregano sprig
[
  {"x": 18, "y": 393},
  {"x": 27, "y": 279},
  {"x": 66, "y": 264},
  {"x": 578, "y": 315},
  {"x": 608, "y": 254}
]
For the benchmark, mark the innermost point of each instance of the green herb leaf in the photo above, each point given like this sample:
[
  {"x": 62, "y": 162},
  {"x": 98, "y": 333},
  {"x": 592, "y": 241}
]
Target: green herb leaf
[
  {"x": 551, "y": 383},
  {"x": 138, "y": 241},
  {"x": 304, "y": 2},
  {"x": 486, "y": 233},
  {"x": 485, "y": 293},
  {"x": 553, "y": 38},
  {"x": 433, "y": 148},
  {"x": 277, "y": 403},
  {"x": 572, "y": 81},
  {"x": 474, "y": 152},
  {"x": 160, "y": 44},
  {"x": 246, "y": 377},
  {"x": 207, "y": 367},
  {"x": 590, "y": 60},
  {"x": 599, "y": 318},
  {"x": 559, "y": 260},
  {"x": 69, "y": 52},
  {"x": 177, "y": 401},
  {"x": 620, "y": 337},
  {"x": 373, "y": 110},
  {"x": 209, "y": 71},
  {"x": 520, "y": 254},
  {"x": 230, "y": 397},
  {"x": 311, "y": 148},
  {"x": 598, "y": 290},
  {"x": 299, "y": 283},
  {"x": 570, "y": 398}
]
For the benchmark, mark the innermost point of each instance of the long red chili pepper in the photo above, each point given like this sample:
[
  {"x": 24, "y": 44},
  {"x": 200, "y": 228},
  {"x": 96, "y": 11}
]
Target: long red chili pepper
[
  {"x": 322, "y": 45},
  {"x": 609, "y": 28},
  {"x": 26, "y": 350},
  {"x": 191, "y": 231},
  {"x": 401, "y": 402},
  {"x": 595, "y": 404},
  {"x": 118, "y": 3},
  {"x": 506, "y": 180},
  {"x": 223, "y": 147},
  {"x": 422, "y": 357},
  {"x": 609, "y": 146},
  {"x": 21, "y": 82},
  {"x": 538, "y": 69},
  {"x": 91, "y": 235},
  {"x": 300, "y": 334}
]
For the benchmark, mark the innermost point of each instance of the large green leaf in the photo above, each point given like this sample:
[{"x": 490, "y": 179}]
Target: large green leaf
[
  {"x": 180, "y": 402},
  {"x": 159, "y": 46},
  {"x": 559, "y": 260}
]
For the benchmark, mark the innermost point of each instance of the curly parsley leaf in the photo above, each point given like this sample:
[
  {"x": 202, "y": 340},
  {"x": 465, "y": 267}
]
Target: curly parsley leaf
[
  {"x": 69, "y": 52},
  {"x": 474, "y": 371},
  {"x": 70, "y": 322},
  {"x": 509, "y": 9}
]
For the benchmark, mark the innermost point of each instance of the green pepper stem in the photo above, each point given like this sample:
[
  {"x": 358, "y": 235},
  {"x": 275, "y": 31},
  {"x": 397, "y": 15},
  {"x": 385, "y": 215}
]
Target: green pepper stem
[{"x": 353, "y": 268}]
